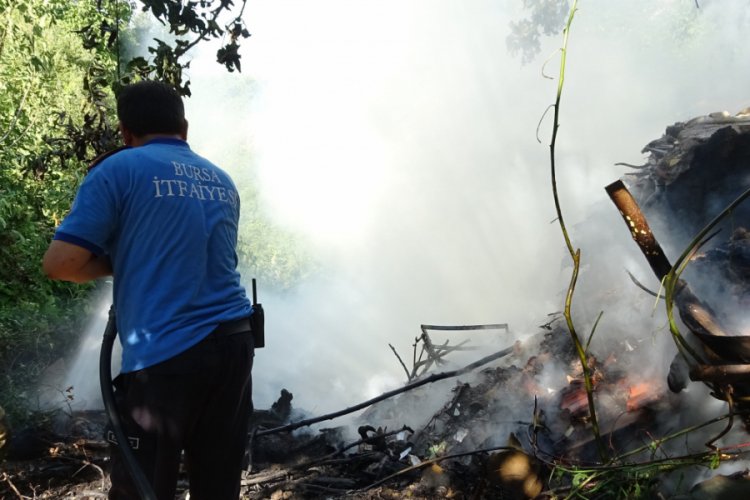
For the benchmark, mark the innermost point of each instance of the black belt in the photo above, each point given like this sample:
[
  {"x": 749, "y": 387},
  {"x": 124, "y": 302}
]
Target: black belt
[{"x": 232, "y": 327}]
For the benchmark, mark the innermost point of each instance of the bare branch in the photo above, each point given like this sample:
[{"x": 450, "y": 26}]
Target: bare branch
[{"x": 408, "y": 375}]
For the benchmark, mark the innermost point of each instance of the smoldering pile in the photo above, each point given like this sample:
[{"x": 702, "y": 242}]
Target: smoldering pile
[
  {"x": 499, "y": 434},
  {"x": 693, "y": 171}
]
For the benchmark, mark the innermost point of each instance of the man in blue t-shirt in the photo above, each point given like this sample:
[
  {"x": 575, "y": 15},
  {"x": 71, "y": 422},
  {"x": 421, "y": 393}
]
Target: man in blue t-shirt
[{"x": 163, "y": 221}]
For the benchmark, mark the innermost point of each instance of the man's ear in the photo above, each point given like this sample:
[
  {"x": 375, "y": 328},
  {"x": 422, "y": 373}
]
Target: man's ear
[{"x": 127, "y": 136}]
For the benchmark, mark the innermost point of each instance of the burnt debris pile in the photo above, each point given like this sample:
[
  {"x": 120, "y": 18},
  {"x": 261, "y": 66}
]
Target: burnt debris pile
[
  {"x": 499, "y": 432},
  {"x": 694, "y": 172}
]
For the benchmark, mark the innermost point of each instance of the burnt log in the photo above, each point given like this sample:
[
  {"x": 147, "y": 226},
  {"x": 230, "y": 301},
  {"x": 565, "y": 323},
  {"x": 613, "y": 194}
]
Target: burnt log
[
  {"x": 718, "y": 343},
  {"x": 720, "y": 373}
]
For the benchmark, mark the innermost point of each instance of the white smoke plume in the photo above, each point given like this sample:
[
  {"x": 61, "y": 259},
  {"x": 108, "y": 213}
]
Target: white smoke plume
[{"x": 400, "y": 140}]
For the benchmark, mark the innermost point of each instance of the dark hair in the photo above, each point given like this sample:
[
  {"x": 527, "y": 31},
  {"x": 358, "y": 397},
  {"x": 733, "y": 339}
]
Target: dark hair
[{"x": 149, "y": 107}]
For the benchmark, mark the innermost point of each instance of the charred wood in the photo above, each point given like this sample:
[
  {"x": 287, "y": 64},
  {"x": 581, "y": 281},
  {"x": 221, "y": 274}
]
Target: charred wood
[{"x": 639, "y": 228}]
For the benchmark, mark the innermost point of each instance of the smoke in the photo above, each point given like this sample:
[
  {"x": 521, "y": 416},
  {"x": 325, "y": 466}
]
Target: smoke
[
  {"x": 74, "y": 386},
  {"x": 399, "y": 140}
]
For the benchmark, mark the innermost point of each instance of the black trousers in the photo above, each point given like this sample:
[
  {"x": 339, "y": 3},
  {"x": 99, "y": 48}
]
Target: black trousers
[{"x": 198, "y": 402}]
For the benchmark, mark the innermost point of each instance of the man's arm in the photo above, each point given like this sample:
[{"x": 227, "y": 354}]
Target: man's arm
[{"x": 68, "y": 262}]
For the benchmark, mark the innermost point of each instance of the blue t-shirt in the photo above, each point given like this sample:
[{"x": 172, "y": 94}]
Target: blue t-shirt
[{"x": 168, "y": 220}]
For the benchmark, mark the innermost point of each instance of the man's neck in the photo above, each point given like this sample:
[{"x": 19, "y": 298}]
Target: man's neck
[{"x": 141, "y": 140}]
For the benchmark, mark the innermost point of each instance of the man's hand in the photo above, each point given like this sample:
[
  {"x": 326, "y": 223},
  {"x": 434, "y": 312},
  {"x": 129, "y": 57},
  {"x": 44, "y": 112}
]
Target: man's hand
[{"x": 67, "y": 262}]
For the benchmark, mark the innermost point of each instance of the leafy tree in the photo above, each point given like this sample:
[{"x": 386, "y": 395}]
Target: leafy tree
[
  {"x": 52, "y": 117},
  {"x": 190, "y": 23},
  {"x": 545, "y": 17},
  {"x": 680, "y": 24}
]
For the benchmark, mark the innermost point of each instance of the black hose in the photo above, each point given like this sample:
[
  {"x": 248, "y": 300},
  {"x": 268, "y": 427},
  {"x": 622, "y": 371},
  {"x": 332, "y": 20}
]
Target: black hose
[{"x": 108, "y": 396}]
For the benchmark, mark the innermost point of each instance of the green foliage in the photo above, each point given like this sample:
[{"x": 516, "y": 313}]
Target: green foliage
[
  {"x": 273, "y": 255},
  {"x": 615, "y": 483},
  {"x": 637, "y": 480},
  {"x": 54, "y": 109}
]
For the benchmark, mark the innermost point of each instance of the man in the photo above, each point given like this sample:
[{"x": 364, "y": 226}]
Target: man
[{"x": 163, "y": 221}]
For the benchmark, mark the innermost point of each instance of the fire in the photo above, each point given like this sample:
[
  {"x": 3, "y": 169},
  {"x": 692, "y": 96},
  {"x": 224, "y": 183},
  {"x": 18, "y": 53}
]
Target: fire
[{"x": 640, "y": 394}]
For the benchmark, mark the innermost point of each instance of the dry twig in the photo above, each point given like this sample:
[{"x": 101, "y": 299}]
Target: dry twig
[
  {"x": 12, "y": 486},
  {"x": 426, "y": 463}
]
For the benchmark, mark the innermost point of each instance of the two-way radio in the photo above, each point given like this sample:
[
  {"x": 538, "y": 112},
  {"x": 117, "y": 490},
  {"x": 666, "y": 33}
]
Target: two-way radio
[{"x": 257, "y": 320}]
